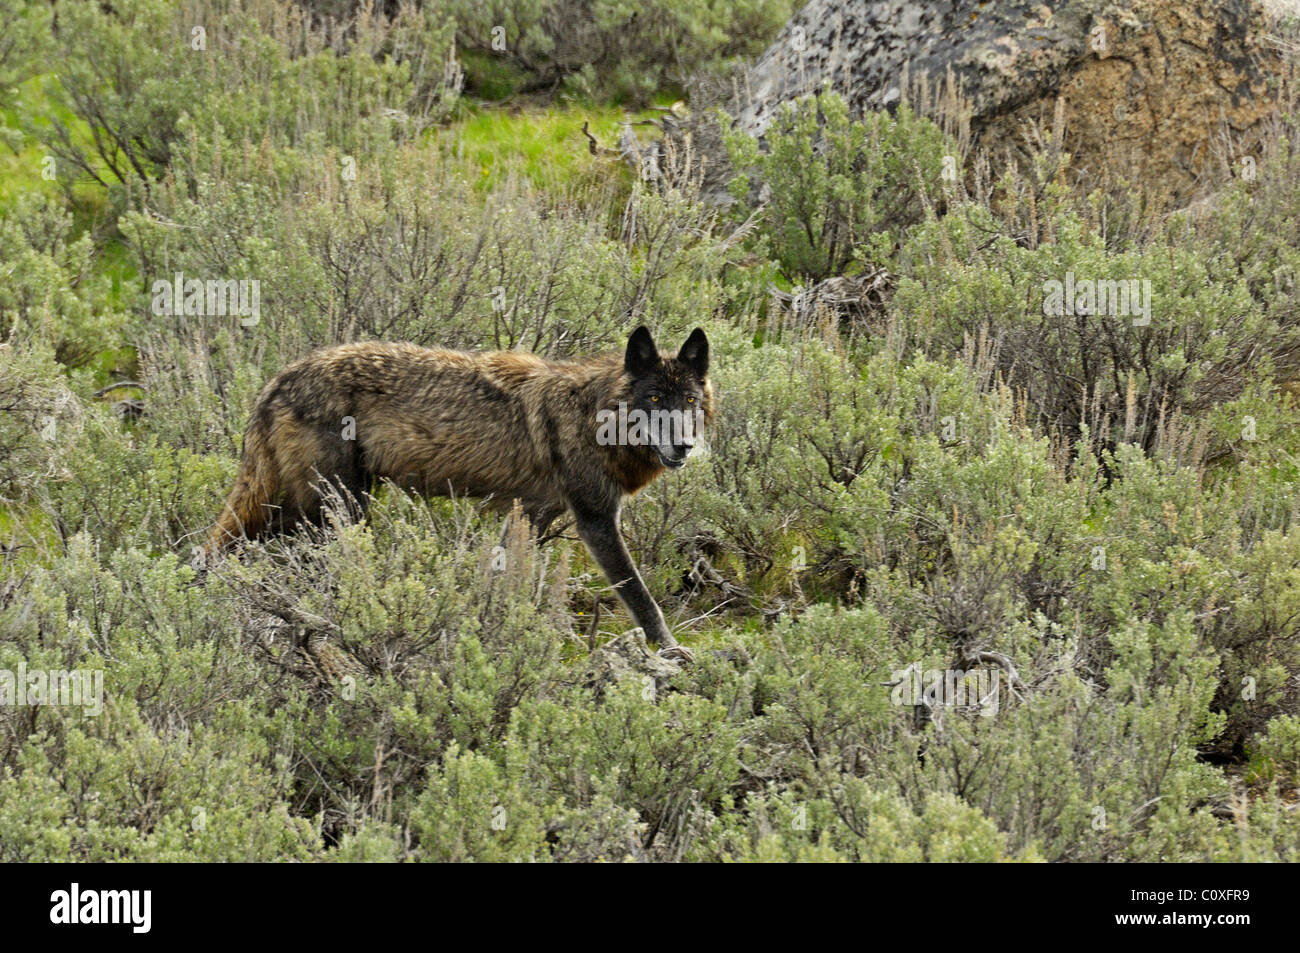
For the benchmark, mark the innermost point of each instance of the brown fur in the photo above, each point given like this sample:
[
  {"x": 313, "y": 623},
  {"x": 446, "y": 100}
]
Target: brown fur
[{"x": 503, "y": 425}]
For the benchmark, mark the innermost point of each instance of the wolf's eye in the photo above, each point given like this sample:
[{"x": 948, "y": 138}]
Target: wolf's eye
[
  {"x": 690, "y": 400},
  {"x": 654, "y": 398}
]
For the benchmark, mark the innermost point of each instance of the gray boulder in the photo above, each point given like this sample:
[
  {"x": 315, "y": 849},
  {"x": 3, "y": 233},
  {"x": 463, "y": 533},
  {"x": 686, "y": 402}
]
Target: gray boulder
[{"x": 1147, "y": 88}]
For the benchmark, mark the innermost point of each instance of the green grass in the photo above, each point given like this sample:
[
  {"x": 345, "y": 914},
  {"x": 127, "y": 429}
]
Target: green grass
[
  {"x": 21, "y": 167},
  {"x": 543, "y": 144},
  {"x": 27, "y": 536},
  {"x": 21, "y": 163}
]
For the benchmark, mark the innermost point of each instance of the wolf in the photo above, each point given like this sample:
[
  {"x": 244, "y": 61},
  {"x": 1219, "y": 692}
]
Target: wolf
[{"x": 502, "y": 425}]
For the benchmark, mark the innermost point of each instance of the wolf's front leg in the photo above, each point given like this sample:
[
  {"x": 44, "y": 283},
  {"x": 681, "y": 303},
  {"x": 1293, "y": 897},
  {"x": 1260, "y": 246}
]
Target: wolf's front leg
[{"x": 601, "y": 534}]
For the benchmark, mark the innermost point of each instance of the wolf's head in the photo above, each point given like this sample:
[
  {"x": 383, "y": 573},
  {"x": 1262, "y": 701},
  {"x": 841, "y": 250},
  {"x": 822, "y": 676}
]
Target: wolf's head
[{"x": 672, "y": 392}]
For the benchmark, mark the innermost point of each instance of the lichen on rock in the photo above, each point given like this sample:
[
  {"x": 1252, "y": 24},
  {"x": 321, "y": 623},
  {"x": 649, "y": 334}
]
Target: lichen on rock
[{"x": 628, "y": 656}]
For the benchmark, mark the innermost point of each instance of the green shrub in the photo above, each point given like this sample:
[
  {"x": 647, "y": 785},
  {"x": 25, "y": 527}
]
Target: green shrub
[
  {"x": 624, "y": 50},
  {"x": 39, "y": 418},
  {"x": 1191, "y": 339},
  {"x": 837, "y": 192},
  {"x": 51, "y": 292},
  {"x": 1276, "y": 751},
  {"x": 142, "y": 74}
]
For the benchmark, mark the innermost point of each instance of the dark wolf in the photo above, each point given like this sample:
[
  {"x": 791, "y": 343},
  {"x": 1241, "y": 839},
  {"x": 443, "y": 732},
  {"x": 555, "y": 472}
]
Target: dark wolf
[{"x": 503, "y": 425}]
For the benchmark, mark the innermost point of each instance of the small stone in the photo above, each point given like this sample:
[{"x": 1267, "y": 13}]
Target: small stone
[{"x": 628, "y": 656}]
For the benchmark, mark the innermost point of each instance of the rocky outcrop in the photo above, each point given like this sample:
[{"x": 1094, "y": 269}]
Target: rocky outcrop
[
  {"x": 627, "y": 656},
  {"x": 1153, "y": 88}
]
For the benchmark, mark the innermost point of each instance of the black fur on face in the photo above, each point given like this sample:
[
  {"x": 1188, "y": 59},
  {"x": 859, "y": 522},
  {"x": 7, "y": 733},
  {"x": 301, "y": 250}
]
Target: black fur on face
[{"x": 672, "y": 392}]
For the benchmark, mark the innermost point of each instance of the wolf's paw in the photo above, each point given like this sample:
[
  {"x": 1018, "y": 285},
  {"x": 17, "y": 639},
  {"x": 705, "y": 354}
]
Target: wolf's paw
[{"x": 676, "y": 653}]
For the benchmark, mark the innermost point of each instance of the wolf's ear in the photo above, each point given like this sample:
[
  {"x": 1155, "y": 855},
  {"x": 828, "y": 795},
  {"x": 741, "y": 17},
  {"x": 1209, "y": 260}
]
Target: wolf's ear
[
  {"x": 642, "y": 355},
  {"x": 695, "y": 353}
]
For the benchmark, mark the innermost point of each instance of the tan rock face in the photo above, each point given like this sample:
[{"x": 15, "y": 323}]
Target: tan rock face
[
  {"x": 1174, "y": 92},
  {"x": 1159, "y": 91}
]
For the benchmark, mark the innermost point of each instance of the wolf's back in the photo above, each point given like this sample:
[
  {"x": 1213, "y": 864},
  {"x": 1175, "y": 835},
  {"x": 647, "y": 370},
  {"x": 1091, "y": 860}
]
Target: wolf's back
[{"x": 431, "y": 420}]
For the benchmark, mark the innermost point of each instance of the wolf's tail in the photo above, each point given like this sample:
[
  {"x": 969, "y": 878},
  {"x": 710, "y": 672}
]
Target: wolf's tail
[{"x": 247, "y": 509}]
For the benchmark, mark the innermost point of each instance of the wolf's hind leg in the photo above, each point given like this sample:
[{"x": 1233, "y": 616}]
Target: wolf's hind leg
[
  {"x": 542, "y": 517},
  {"x": 539, "y": 516},
  {"x": 326, "y": 474}
]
